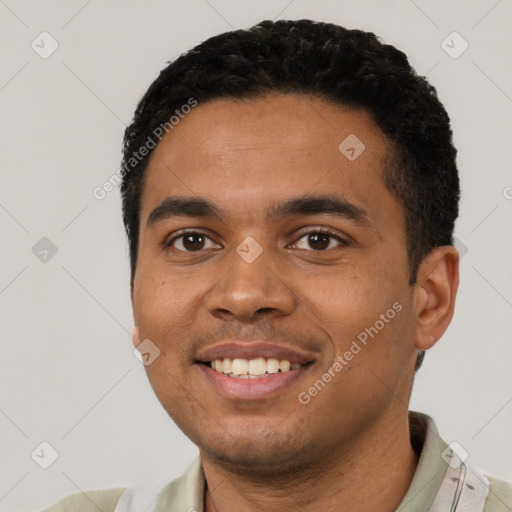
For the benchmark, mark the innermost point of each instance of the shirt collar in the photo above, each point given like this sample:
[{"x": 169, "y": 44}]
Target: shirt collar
[{"x": 431, "y": 466}]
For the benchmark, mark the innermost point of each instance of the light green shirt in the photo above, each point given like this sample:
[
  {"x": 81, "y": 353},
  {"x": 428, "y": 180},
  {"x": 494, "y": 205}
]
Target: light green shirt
[{"x": 186, "y": 493}]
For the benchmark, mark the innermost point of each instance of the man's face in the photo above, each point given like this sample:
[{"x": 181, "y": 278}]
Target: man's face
[{"x": 249, "y": 285}]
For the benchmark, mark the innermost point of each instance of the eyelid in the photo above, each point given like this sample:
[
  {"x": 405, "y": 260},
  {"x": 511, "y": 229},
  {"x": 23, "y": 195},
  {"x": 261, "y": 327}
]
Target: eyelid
[
  {"x": 344, "y": 241},
  {"x": 182, "y": 233}
]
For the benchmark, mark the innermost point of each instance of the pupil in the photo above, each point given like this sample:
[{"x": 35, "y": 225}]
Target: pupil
[
  {"x": 314, "y": 238},
  {"x": 189, "y": 244}
]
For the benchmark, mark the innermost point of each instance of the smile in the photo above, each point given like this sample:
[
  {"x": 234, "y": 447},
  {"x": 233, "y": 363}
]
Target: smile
[
  {"x": 252, "y": 368},
  {"x": 250, "y": 379}
]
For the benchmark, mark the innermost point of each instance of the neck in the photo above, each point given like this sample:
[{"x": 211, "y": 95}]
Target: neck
[{"x": 373, "y": 473}]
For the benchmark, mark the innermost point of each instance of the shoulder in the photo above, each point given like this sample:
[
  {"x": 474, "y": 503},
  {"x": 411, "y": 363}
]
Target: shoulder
[
  {"x": 500, "y": 496},
  {"x": 90, "y": 501},
  {"x": 183, "y": 493}
]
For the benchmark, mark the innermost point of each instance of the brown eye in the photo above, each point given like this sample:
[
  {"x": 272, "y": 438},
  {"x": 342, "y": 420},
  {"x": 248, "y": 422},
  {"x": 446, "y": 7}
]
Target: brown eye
[
  {"x": 321, "y": 240},
  {"x": 190, "y": 242},
  {"x": 193, "y": 242}
]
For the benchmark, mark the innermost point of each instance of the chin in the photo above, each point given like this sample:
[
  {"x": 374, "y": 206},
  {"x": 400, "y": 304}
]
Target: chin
[
  {"x": 255, "y": 463},
  {"x": 269, "y": 455}
]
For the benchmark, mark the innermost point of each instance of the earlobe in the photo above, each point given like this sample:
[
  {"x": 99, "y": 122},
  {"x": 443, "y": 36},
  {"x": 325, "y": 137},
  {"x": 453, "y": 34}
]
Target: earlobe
[
  {"x": 438, "y": 280},
  {"x": 135, "y": 336}
]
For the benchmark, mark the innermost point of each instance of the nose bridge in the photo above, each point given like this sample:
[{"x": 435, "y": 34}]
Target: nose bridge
[{"x": 251, "y": 284}]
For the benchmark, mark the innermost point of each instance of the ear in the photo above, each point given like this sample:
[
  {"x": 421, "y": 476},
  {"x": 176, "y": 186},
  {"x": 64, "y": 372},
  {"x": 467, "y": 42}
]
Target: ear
[
  {"x": 435, "y": 291},
  {"x": 135, "y": 336},
  {"x": 133, "y": 305},
  {"x": 135, "y": 331}
]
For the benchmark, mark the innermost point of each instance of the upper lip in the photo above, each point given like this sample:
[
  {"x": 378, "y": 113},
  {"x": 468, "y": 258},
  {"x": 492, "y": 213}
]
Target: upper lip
[{"x": 253, "y": 350}]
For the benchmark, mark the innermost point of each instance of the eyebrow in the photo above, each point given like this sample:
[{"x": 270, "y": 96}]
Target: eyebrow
[{"x": 199, "y": 207}]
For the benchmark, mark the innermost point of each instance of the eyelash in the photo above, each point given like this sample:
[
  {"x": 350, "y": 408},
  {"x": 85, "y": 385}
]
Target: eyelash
[{"x": 313, "y": 231}]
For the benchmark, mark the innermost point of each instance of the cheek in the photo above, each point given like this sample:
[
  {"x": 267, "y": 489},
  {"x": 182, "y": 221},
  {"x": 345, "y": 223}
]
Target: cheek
[
  {"x": 162, "y": 295},
  {"x": 365, "y": 313},
  {"x": 347, "y": 300},
  {"x": 164, "y": 310}
]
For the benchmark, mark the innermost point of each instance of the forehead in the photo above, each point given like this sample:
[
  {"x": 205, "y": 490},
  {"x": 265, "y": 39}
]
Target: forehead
[{"x": 248, "y": 153}]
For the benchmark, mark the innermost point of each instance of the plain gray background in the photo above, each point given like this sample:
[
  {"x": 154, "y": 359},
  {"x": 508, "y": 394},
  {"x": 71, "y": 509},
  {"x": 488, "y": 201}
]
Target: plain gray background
[{"x": 68, "y": 374}]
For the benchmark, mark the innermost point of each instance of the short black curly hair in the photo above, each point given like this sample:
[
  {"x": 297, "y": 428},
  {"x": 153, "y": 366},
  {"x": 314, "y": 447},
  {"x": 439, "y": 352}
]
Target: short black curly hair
[{"x": 342, "y": 66}]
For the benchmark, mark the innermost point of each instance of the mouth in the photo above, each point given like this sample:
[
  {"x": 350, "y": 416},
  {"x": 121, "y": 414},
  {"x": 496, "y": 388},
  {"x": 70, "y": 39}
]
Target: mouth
[
  {"x": 249, "y": 371},
  {"x": 256, "y": 368},
  {"x": 252, "y": 380}
]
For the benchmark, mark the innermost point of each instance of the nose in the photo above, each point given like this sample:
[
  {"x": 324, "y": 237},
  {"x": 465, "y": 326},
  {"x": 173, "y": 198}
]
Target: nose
[{"x": 250, "y": 290}]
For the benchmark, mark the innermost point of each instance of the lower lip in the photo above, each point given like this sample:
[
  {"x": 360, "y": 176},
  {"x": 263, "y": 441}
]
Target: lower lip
[{"x": 251, "y": 389}]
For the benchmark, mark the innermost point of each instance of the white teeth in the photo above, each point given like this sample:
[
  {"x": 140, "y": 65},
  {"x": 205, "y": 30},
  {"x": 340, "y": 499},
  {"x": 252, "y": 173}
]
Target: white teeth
[
  {"x": 257, "y": 366},
  {"x": 252, "y": 368},
  {"x": 240, "y": 367},
  {"x": 284, "y": 366},
  {"x": 272, "y": 366},
  {"x": 226, "y": 365},
  {"x": 247, "y": 376}
]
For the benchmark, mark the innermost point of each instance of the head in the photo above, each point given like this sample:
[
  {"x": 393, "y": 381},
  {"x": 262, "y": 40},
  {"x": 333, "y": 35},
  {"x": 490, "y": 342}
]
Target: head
[{"x": 256, "y": 135}]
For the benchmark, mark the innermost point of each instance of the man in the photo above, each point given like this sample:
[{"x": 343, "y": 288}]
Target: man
[{"x": 289, "y": 195}]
